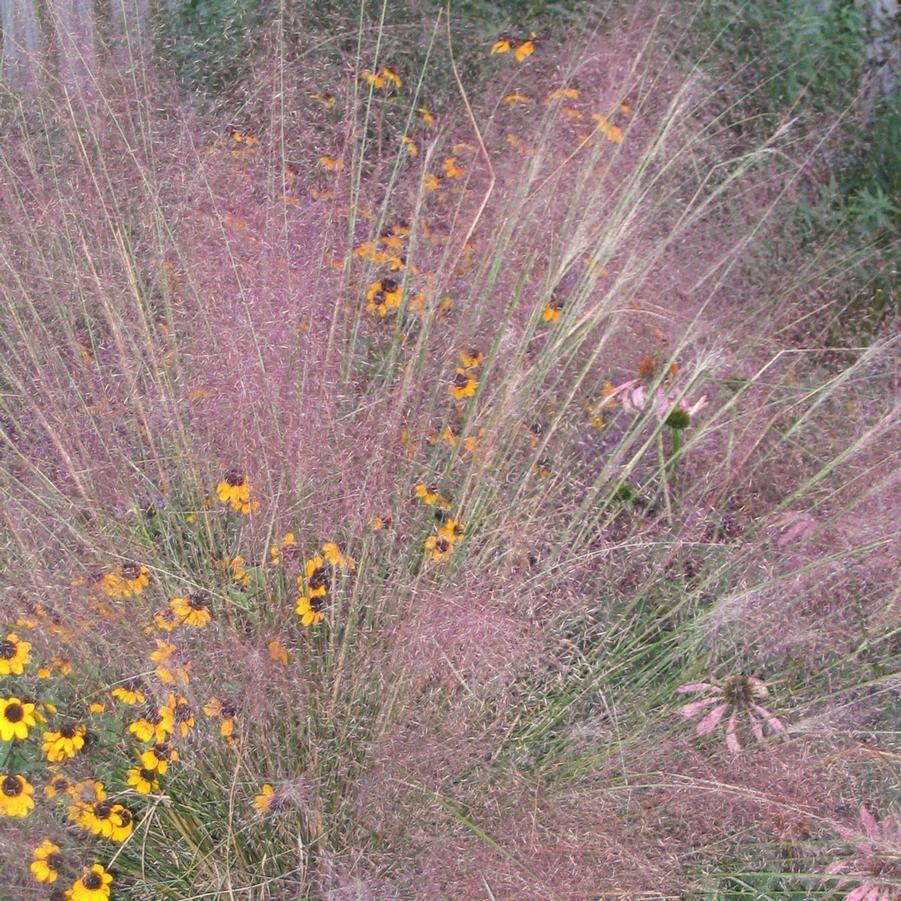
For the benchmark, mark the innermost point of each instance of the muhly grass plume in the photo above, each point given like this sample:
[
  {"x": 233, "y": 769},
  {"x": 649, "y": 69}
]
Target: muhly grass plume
[{"x": 392, "y": 498}]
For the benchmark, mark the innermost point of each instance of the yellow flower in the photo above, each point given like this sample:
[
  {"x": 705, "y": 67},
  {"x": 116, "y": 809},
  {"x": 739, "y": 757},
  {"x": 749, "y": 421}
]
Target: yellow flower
[
  {"x": 145, "y": 728},
  {"x": 238, "y": 572},
  {"x": 47, "y": 861},
  {"x": 14, "y": 654},
  {"x": 471, "y": 357},
  {"x": 65, "y": 744},
  {"x": 451, "y": 531},
  {"x": 327, "y": 100},
  {"x": 526, "y": 48},
  {"x": 15, "y": 796},
  {"x": 564, "y": 94},
  {"x": 278, "y": 652},
  {"x": 615, "y": 134},
  {"x": 427, "y": 117},
  {"x": 286, "y": 548},
  {"x": 177, "y": 716},
  {"x": 439, "y": 548},
  {"x": 333, "y": 164},
  {"x": 143, "y": 781},
  {"x": 58, "y": 785},
  {"x": 192, "y": 610},
  {"x": 309, "y": 609},
  {"x": 431, "y": 495},
  {"x": 96, "y": 707},
  {"x": 16, "y": 717},
  {"x": 130, "y": 693},
  {"x": 158, "y": 757},
  {"x": 516, "y": 99},
  {"x": 451, "y": 169},
  {"x": 382, "y": 296},
  {"x": 263, "y": 801},
  {"x": 502, "y": 44},
  {"x": 169, "y": 667},
  {"x": 463, "y": 385},
  {"x": 126, "y": 580},
  {"x": 336, "y": 558},
  {"x": 372, "y": 78},
  {"x": 380, "y": 522},
  {"x": 234, "y": 489},
  {"x": 391, "y": 75},
  {"x": 94, "y": 885},
  {"x": 410, "y": 144},
  {"x": 431, "y": 182}
]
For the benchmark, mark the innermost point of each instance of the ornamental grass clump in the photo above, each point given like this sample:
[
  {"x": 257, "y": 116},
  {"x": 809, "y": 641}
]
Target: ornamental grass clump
[{"x": 379, "y": 477}]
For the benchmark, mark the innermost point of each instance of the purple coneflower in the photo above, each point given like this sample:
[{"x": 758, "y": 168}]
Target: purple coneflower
[{"x": 878, "y": 866}]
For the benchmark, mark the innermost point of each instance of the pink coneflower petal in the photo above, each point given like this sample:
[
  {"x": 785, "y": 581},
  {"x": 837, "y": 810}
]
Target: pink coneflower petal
[
  {"x": 693, "y": 686},
  {"x": 869, "y": 822},
  {"x": 756, "y": 728},
  {"x": 837, "y": 866},
  {"x": 696, "y": 706},
  {"x": 731, "y": 734},
  {"x": 865, "y": 892},
  {"x": 709, "y": 723},
  {"x": 774, "y": 723}
]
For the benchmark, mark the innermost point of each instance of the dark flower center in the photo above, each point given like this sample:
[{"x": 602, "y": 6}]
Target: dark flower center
[
  {"x": 461, "y": 380},
  {"x": 197, "y": 600},
  {"x": 54, "y": 861},
  {"x": 68, "y": 731},
  {"x": 60, "y": 783},
  {"x": 389, "y": 285},
  {"x": 92, "y": 881},
  {"x": 102, "y": 810},
  {"x": 12, "y": 786},
  {"x": 8, "y": 649},
  {"x": 316, "y": 604},
  {"x": 320, "y": 578},
  {"x": 228, "y": 709},
  {"x": 131, "y": 571},
  {"x": 124, "y": 817},
  {"x": 148, "y": 775},
  {"x": 678, "y": 419},
  {"x": 738, "y": 690},
  {"x": 182, "y": 713},
  {"x": 441, "y": 545},
  {"x": 14, "y": 713},
  {"x": 234, "y": 479}
]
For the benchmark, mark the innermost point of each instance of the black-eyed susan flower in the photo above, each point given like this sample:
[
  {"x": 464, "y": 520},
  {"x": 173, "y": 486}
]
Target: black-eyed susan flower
[
  {"x": 503, "y": 44},
  {"x": 452, "y": 530},
  {"x": 438, "y": 548},
  {"x": 427, "y": 117},
  {"x": 451, "y": 169},
  {"x": 391, "y": 77},
  {"x": 382, "y": 296},
  {"x": 65, "y": 744},
  {"x": 381, "y": 521},
  {"x": 470, "y": 356},
  {"x": 129, "y": 693},
  {"x": 565, "y": 93},
  {"x": 333, "y": 554},
  {"x": 553, "y": 309},
  {"x": 193, "y": 610},
  {"x": 514, "y": 98},
  {"x": 278, "y": 652},
  {"x": 319, "y": 579},
  {"x": 177, "y": 715},
  {"x": 143, "y": 781},
  {"x": 236, "y": 567},
  {"x": 148, "y": 727},
  {"x": 431, "y": 182},
  {"x": 158, "y": 757},
  {"x": 234, "y": 489},
  {"x": 310, "y": 609},
  {"x": 16, "y": 718},
  {"x": 263, "y": 801},
  {"x": 93, "y": 885},
  {"x": 464, "y": 384},
  {"x": 224, "y": 711},
  {"x": 46, "y": 862},
  {"x": 327, "y": 100},
  {"x": 170, "y": 667},
  {"x": 331, "y": 163},
  {"x": 525, "y": 48},
  {"x": 14, "y": 655},
  {"x": 15, "y": 796},
  {"x": 374, "y": 79},
  {"x": 285, "y": 549},
  {"x": 126, "y": 580},
  {"x": 58, "y": 785},
  {"x": 430, "y": 495}
]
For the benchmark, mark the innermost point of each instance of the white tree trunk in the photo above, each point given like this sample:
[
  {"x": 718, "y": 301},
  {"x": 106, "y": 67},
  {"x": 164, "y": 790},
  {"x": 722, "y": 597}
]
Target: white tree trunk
[{"x": 21, "y": 67}]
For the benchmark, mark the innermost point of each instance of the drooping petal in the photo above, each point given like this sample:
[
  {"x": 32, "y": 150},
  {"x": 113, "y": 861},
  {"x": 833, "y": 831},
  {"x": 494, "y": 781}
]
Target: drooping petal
[
  {"x": 696, "y": 707},
  {"x": 869, "y": 822},
  {"x": 773, "y": 722},
  {"x": 756, "y": 728},
  {"x": 731, "y": 733},
  {"x": 693, "y": 686},
  {"x": 709, "y": 723}
]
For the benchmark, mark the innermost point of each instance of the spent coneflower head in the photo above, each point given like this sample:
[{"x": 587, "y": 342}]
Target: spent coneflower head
[
  {"x": 737, "y": 695},
  {"x": 877, "y": 865}
]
